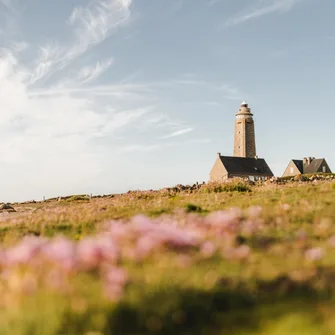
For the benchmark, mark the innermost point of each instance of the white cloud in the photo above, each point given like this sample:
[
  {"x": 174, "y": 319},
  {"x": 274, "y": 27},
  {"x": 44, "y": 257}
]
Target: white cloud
[
  {"x": 120, "y": 119},
  {"x": 91, "y": 25},
  {"x": 19, "y": 46},
  {"x": 178, "y": 133},
  {"x": 89, "y": 73},
  {"x": 138, "y": 148},
  {"x": 262, "y": 8},
  {"x": 53, "y": 135},
  {"x": 94, "y": 23},
  {"x": 63, "y": 135},
  {"x": 45, "y": 61},
  {"x": 58, "y": 135},
  {"x": 7, "y": 3},
  {"x": 213, "y": 2}
]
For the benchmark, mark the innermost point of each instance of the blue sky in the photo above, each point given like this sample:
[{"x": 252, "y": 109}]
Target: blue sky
[{"x": 105, "y": 96}]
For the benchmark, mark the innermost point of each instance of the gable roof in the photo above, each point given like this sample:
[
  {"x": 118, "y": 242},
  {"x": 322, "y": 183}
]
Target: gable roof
[
  {"x": 246, "y": 166},
  {"x": 313, "y": 167},
  {"x": 299, "y": 164}
]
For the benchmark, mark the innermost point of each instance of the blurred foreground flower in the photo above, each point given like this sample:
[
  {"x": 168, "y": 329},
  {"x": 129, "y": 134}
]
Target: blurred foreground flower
[
  {"x": 114, "y": 281},
  {"x": 314, "y": 254},
  {"x": 57, "y": 262}
]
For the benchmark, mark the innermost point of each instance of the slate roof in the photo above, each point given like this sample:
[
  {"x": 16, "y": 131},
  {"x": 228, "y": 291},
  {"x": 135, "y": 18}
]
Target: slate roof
[
  {"x": 299, "y": 164},
  {"x": 313, "y": 167},
  {"x": 246, "y": 166}
]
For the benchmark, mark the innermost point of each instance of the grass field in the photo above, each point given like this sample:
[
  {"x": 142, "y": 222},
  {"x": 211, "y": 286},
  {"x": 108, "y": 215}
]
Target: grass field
[{"x": 234, "y": 259}]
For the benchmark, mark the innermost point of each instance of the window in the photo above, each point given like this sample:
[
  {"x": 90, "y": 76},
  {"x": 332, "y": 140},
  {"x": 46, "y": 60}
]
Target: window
[
  {"x": 323, "y": 169},
  {"x": 252, "y": 178},
  {"x": 291, "y": 169}
]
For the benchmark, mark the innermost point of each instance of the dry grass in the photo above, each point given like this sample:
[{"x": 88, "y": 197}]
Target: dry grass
[{"x": 271, "y": 271}]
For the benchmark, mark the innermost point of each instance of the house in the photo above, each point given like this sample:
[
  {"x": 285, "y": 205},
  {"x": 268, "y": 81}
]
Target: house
[
  {"x": 306, "y": 166},
  {"x": 245, "y": 162},
  {"x": 229, "y": 167}
]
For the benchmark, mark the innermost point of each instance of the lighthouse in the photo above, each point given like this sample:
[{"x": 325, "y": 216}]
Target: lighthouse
[
  {"x": 244, "y": 135},
  {"x": 244, "y": 163}
]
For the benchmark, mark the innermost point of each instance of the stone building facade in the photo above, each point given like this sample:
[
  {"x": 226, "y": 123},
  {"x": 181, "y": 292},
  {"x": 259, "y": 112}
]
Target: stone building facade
[
  {"x": 226, "y": 167},
  {"x": 244, "y": 163},
  {"x": 244, "y": 135},
  {"x": 306, "y": 166}
]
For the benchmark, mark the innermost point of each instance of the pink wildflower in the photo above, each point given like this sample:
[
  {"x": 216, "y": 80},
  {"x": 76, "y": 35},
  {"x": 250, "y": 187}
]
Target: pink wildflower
[
  {"x": 88, "y": 253},
  {"x": 331, "y": 241},
  {"x": 184, "y": 261},
  {"x": 254, "y": 211},
  {"x": 61, "y": 251},
  {"x": 142, "y": 224},
  {"x": 314, "y": 254},
  {"x": 301, "y": 235},
  {"x": 145, "y": 245},
  {"x": 114, "y": 281},
  {"x": 250, "y": 227},
  {"x": 240, "y": 253},
  {"x": 285, "y": 207},
  {"x": 208, "y": 249},
  {"x": 25, "y": 251},
  {"x": 118, "y": 230},
  {"x": 177, "y": 238},
  {"x": 224, "y": 221},
  {"x": 109, "y": 249}
]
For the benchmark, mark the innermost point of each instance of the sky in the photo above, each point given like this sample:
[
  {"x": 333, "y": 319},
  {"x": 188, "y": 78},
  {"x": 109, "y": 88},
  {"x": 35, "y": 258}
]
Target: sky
[{"x": 106, "y": 96}]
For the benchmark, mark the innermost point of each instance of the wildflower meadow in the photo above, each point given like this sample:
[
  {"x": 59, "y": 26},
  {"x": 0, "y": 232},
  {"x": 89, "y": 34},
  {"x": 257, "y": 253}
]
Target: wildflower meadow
[{"x": 208, "y": 259}]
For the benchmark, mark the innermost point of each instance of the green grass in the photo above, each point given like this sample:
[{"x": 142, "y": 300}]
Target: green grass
[
  {"x": 274, "y": 292},
  {"x": 308, "y": 203}
]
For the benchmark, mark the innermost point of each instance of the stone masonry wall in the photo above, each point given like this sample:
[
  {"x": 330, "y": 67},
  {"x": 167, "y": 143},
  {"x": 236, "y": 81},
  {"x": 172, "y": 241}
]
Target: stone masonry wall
[
  {"x": 244, "y": 138},
  {"x": 218, "y": 172},
  {"x": 250, "y": 138}
]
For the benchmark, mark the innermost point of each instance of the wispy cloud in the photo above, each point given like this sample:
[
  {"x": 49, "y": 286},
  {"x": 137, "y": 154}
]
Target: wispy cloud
[
  {"x": 46, "y": 59},
  {"x": 94, "y": 23},
  {"x": 7, "y": 3},
  {"x": 138, "y": 148},
  {"x": 19, "y": 46},
  {"x": 120, "y": 119},
  {"x": 262, "y": 8},
  {"x": 213, "y": 2},
  {"x": 89, "y": 73},
  {"x": 64, "y": 126},
  {"x": 91, "y": 25},
  {"x": 46, "y": 129},
  {"x": 178, "y": 133}
]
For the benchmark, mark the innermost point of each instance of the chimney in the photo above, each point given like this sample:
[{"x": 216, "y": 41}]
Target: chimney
[
  {"x": 309, "y": 160},
  {"x": 219, "y": 154},
  {"x": 305, "y": 160}
]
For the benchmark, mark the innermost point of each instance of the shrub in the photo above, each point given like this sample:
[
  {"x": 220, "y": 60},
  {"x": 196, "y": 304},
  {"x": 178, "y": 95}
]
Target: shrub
[
  {"x": 78, "y": 198},
  {"x": 235, "y": 185},
  {"x": 193, "y": 208}
]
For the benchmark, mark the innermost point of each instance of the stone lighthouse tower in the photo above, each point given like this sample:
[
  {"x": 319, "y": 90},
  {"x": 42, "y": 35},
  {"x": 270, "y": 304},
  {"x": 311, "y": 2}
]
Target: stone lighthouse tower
[{"x": 244, "y": 136}]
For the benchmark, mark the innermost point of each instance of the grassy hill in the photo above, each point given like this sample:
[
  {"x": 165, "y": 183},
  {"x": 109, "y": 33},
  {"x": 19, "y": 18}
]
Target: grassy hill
[{"x": 205, "y": 259}]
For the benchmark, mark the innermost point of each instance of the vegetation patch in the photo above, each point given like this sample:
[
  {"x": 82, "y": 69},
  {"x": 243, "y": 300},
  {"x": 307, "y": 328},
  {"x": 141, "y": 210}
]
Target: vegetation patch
[
  {"x": 204, "y": 261},
  {"x": 229, "y": 186}
]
